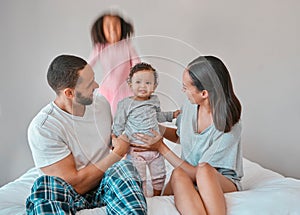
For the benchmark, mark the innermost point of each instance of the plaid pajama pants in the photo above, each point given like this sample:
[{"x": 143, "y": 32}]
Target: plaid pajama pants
[{"x": 120, "y": 190}]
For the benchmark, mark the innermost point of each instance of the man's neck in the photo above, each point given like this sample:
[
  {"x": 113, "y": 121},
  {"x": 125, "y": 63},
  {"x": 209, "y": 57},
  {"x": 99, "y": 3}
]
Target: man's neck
[{"x": 69, "y": 107}]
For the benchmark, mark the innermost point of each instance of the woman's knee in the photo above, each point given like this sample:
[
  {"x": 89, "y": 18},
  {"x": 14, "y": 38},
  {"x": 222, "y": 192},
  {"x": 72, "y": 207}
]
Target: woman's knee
[
  {"x": 204, "y": 170},
  {"x": 178, "y": 174}
]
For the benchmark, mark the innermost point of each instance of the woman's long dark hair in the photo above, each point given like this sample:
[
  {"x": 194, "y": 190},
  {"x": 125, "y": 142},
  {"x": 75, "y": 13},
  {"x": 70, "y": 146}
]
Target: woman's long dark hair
[{"x": 209, "y": 73}]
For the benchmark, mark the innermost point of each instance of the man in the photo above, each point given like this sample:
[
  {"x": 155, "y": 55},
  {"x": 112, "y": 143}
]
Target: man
[{"x": 70, "y": 144}]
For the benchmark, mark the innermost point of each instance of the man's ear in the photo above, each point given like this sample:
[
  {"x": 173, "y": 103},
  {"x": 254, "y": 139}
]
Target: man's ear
[{"x": 69, "y": 93}]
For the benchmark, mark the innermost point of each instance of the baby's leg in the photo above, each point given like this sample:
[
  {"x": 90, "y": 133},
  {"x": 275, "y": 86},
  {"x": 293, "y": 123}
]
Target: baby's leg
[
  {"x": 140, "y": 164},
  {"x": 158, "y": 173}
]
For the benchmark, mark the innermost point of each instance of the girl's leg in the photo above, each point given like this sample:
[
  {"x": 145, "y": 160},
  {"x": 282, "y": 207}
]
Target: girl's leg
[
  {"x": 212, "y": 186},
  {"x": 187, "y": 199}
]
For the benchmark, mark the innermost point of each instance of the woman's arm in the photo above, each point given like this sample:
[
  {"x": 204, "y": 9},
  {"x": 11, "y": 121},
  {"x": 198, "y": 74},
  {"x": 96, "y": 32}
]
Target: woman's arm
[
  {"x": 176, "y": 162},
  {"x": 169, "y": 133},
  {"x": 156, "y": 144}
]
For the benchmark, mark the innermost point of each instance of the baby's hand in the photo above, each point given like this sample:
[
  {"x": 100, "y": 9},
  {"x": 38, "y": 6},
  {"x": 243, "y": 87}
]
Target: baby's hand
[{"x": 176, "y": 113}]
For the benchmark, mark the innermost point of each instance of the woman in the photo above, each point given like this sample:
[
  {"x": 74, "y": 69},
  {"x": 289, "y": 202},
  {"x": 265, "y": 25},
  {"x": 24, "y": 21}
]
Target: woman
[{"x": 209, "y": 130}]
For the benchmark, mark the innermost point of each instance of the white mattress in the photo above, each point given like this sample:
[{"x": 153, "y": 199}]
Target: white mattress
[{"x": 266, "y": 193}]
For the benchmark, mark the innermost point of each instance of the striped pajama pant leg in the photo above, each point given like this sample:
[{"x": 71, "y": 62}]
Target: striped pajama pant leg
[{"x": 120, "y": 190}]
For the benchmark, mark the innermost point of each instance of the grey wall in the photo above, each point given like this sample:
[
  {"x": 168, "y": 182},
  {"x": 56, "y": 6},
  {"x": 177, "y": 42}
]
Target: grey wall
[{"x": 258, "y": 41}]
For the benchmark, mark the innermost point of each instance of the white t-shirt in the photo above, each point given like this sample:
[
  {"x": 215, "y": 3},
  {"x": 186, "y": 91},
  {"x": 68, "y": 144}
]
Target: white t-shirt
[{"x": 53, "y": 134}]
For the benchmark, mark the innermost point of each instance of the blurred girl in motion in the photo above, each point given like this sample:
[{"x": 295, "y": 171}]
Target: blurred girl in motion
[{"x": 112, "y": 47}]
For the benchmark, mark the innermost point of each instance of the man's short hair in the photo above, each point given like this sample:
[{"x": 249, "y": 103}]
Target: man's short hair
[{"x": 63, "y": 72}]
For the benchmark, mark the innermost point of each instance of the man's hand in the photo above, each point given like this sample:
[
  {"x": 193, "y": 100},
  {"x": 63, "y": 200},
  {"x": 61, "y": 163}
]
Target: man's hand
[{"x": 120, "y": 145}]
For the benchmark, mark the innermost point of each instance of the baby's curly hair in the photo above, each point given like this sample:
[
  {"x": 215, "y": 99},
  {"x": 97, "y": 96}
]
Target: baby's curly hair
[{"x": 142, "y": 66}]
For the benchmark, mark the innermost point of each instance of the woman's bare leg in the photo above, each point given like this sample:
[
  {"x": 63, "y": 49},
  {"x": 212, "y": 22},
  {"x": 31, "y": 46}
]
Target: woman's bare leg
[
  {"x": 212, "y": 185},
  {"x": 156, "y": 192},
  {"x": 168, "y": 190},
  {"x": 187, "y": 199}
]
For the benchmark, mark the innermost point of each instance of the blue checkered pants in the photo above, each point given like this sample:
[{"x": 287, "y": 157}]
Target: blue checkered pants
[{"x": 120, "y": 190}]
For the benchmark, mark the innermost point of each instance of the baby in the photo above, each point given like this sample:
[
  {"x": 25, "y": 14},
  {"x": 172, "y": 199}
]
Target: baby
[{"x": 141, "y": 113}]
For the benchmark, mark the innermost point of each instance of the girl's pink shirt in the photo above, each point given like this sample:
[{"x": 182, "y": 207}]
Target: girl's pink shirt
[{"x": 116, "y": 61}]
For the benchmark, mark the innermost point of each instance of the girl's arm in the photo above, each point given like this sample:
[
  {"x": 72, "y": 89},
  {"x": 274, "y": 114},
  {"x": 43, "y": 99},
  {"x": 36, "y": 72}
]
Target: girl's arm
[
  {"x": 95, "y": 54},
  {"x": 134, "y": 57}
]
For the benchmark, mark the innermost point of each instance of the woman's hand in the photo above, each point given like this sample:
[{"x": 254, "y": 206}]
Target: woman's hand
[{"x": 152, "y": 143}]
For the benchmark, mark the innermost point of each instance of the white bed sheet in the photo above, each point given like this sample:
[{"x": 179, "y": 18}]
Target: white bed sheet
[{"x": 265, "y": 193}]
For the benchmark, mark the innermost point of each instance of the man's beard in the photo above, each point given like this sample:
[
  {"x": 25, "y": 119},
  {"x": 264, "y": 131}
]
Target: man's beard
[{"x": 83, "y": 100}]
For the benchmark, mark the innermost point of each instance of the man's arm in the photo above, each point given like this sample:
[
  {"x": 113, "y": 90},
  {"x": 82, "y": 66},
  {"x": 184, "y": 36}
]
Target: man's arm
[{"x": 89, "y": 177}]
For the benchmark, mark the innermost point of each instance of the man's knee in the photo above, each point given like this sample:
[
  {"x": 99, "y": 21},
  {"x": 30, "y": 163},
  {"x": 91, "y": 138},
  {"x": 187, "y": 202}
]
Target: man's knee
[
  {"x": 51, "y": 187},
  {"x": 123, "y": 169},
  {"x": 51, "y": 195},
  {"x": 48, "y": 182}
]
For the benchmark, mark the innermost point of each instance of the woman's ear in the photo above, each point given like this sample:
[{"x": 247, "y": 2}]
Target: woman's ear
[
  {"x": 204, "y": 94},
  {"x": 69, "y": 93}
]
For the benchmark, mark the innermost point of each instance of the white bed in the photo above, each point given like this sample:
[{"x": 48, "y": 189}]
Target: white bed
[{"x": 265, "y": 192}]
